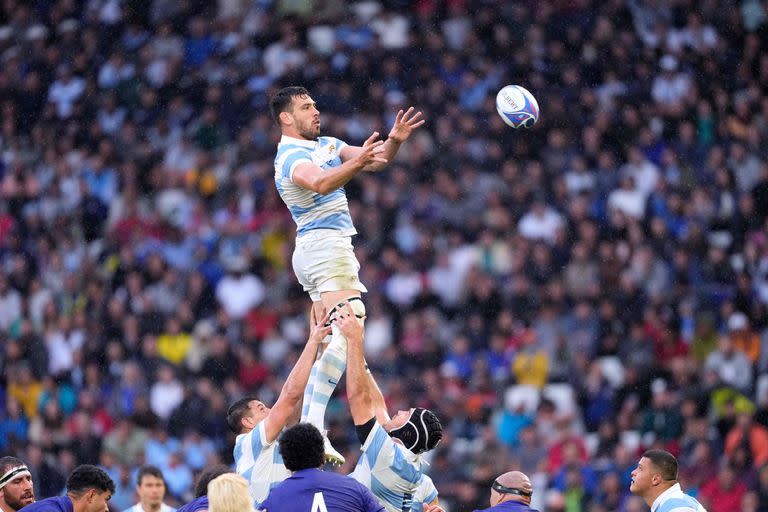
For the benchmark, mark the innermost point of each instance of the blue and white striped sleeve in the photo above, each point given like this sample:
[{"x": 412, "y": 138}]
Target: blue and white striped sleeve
[
  {"x": 426, "y": 492},
  {"x": 379, "y": 447},
  {"x": 292, "y": 159},
  {"x": 255, "y": 440}
]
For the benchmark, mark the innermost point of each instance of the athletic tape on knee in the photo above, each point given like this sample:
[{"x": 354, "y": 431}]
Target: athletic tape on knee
[{"x": 357, "y": 305}]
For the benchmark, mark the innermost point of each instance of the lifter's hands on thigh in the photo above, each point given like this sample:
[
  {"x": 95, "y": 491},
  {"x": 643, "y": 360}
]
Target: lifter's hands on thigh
[
  {"x": 318, "y": 329},
  {"x": 350, "y": 326}
]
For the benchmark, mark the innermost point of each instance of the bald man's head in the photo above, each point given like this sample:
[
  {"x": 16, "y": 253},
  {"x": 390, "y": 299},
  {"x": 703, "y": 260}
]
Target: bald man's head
[{"x": 511, "y": 486}]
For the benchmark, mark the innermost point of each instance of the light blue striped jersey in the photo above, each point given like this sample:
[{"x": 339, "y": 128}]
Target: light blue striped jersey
[
  {"x": 259, "y": 462},
  {"x": 311, "y": 210},
  {"x": 426, "y": 492},
  {"x": 675, "y": 500},
  {"x": 392, "y": 472}
]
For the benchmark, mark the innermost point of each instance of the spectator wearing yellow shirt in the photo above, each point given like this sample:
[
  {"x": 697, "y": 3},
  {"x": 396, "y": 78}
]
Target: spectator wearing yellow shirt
[
  {"x": 24, "y": 388},
  {"x": 173, "y": 344},
  {"x": 531, "y": 363}
]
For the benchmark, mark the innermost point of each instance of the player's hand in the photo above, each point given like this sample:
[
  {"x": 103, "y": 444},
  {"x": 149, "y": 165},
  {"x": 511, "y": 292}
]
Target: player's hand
[
  {"x": 318, "y": 329},
  {"x": 371, "y": 151},
  {"x": 405, "y": 123},
  {"x": 432, "y": 508},
  {"x": 349, "y": 325}
]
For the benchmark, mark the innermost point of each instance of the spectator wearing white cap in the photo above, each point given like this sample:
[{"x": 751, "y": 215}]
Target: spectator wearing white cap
[
  {"x": 731, "y": 365},
  {"x": 239, "y": 290},
  {"x": 744, "y": 338},
  {"x": 671, "y": 87}
]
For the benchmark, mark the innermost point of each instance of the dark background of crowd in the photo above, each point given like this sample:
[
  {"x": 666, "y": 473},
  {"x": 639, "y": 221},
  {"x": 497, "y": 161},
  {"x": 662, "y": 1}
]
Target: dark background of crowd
[{"x": 563, "y": 297}]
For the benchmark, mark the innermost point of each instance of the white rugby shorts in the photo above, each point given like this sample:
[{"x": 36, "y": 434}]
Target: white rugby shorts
[{"x": 325, "y": 261}]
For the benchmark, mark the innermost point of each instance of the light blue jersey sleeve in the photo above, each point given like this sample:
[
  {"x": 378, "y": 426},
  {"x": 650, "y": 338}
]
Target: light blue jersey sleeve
[
  {"x": 259, "y": 462},
  {"x": 680, "y": 504},
  {"x": 292, "y": 158},
  {"x": 425, "y": 493},
  {"x": 391, "y": 472}
]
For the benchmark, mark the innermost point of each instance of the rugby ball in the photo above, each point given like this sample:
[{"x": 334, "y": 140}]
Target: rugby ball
[{"x": 517, "y": 106}]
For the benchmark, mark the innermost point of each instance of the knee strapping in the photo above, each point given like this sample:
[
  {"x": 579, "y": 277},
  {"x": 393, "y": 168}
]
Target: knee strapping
[{"x": 357, "y": 305}]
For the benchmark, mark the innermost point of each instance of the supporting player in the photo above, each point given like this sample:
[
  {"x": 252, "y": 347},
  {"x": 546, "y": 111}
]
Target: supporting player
[
  {"x": 390, "y": 465},
  {"x": 310, "y": 174},
  {"x": 258, "y": 426},
  {"x": 309, "y": 488}
]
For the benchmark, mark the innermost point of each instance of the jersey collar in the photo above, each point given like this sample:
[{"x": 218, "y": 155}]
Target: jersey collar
[
  {"x": 299, "y": 142},
  {"x": 665, "y": 495}
]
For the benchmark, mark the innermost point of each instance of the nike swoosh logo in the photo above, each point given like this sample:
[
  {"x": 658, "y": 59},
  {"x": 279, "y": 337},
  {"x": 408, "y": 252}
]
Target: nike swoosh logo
[{"x": 333, "y": 382}]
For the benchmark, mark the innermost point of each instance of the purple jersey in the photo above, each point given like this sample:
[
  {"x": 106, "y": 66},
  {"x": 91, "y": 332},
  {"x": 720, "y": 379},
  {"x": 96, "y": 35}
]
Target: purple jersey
[
  {"x": 313, "y": 490},
  {"x": 196, "y": 505},
  {"x": 54, "y": 504}
]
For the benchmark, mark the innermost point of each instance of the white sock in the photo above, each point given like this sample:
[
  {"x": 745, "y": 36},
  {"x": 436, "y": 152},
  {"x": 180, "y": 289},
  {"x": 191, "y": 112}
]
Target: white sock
[
  {"x": 327, "y": 372},
  {"x": 308, "y": 391}
]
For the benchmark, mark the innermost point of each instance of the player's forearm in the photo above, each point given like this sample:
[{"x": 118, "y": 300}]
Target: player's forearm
[
  {"x": 291, "y": 394},
  {"x": 377, "y": 398},
  {"x": 293, "y": 389},
  {"x": 389, "y": 150},
  {"x": 336, "y": 177},
  {"x": 358, "y": 391},
  {"x": 295, "y": 416}
]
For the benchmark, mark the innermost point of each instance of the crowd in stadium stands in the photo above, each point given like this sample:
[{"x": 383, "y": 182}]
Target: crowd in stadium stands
[{"x": 562, "y": 297}]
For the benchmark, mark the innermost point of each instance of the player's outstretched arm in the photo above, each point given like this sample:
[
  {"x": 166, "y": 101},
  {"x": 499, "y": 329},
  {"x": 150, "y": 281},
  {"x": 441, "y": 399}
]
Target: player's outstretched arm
[
  {"x": 358, "y": 392},
  {"x": 368, "y": 399},
  {"x": 325, "y": 181},
  {"x": 377, "y": 398},
  {"x": 293, "y": 389},
  {"x": 405, "y": 123}
]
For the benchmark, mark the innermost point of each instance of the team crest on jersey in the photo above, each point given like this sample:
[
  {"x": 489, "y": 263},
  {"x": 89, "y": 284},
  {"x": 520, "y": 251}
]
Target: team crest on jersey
[{"x": 325, "y": 155}]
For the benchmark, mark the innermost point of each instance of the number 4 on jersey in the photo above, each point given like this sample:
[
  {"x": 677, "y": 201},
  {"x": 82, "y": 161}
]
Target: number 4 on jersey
[{"x": 318, "y": 503}]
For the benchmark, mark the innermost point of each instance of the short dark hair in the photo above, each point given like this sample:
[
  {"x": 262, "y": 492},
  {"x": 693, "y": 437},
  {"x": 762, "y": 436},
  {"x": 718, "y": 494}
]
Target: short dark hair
[
  {"x": 282, "y": 100},
  {"x": 302, "y": 447},
  {"x": 149, "y": 471},
  {"x": 9, "y": 462},
  {"x": 665, "y": 461},
  {"x": 208, "y": 474},
  {"x": 236, "y": 412},
  {"x": 86, "y": 477}
]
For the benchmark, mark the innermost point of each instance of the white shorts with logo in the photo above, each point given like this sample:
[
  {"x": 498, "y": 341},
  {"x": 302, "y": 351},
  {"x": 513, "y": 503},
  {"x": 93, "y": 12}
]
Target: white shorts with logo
[{"x": 325, "y": 261}]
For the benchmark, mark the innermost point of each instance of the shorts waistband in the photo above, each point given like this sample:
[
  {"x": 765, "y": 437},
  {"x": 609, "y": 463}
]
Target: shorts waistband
[{"x": 317, "y": 234}]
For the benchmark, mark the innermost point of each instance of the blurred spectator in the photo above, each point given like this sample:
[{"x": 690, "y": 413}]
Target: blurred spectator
[
  {"x": 723, "y": 492},
  {"x": 661, "y": 420},
  {"x": 751, "y": 435},
  {"x": 125, "y": 442},
  {"x": 730, "y": 364},
  {"x": 744, "y": 339},
  {"x": 541, "y": 222},
  {"x": 166, "y": 393},
  {"x": 239, "y": 291},
  {"x": 530, "y": 365}
]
